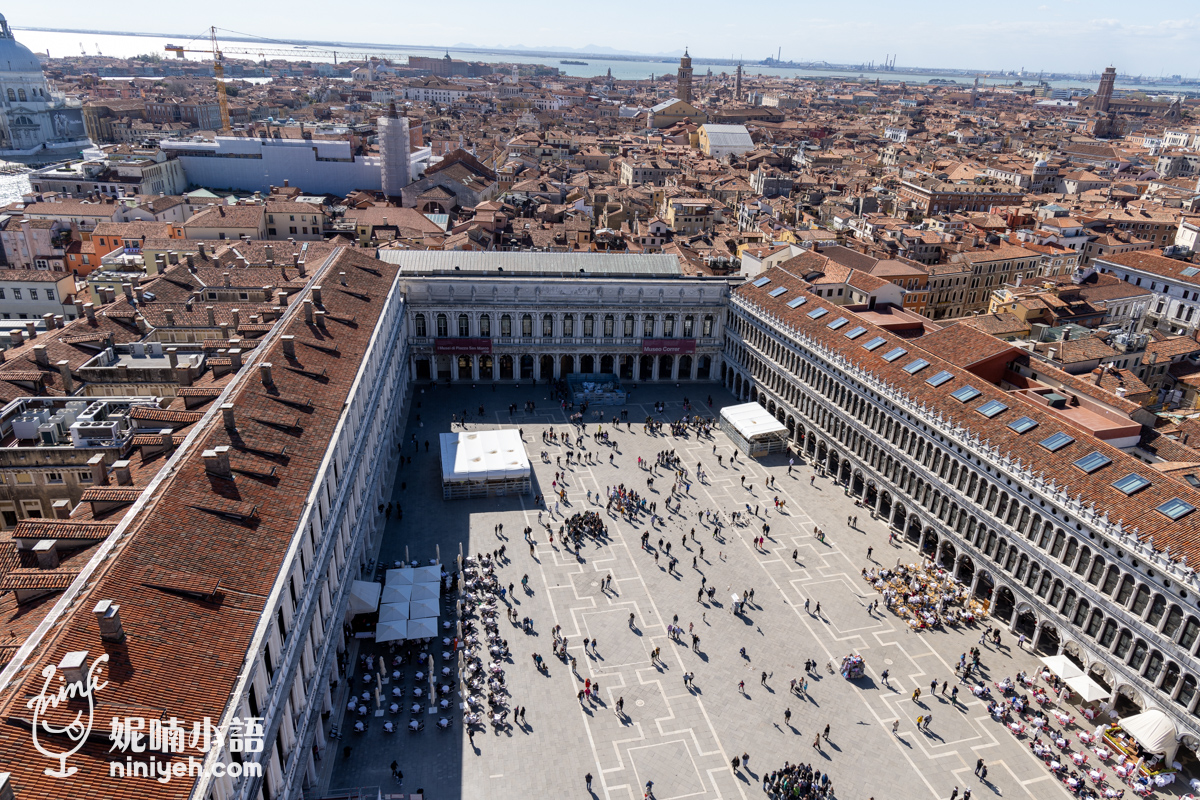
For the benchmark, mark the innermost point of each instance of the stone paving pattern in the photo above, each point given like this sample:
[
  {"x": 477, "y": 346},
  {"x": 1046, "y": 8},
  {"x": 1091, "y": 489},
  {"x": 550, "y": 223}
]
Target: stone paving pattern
[{"x": 684, "y": 738}]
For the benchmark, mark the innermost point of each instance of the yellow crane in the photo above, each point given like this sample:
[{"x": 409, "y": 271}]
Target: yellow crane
[
  {"x": 218, "y": 55},
  {"x": 218, "y": 73}
]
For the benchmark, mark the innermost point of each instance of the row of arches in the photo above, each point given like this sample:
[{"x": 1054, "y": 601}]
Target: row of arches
[
  {"x": 1033, "y": 566},
  {"x": 505, "y": 367},
  {"x": 463, "y": 325}
]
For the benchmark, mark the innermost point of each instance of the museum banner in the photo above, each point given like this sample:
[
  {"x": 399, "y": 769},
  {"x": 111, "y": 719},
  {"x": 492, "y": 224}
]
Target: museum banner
[
  {"x": 668, "y": 347},
  {"x": 463, "y": 347}
]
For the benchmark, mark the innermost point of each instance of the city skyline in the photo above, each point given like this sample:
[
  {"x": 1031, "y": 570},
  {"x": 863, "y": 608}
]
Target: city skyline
[{"x": 1060, "y": 36}]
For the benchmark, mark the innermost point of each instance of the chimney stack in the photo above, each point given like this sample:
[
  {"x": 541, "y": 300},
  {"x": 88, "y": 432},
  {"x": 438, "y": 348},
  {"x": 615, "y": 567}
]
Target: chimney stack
[
  {"x": 142, "y": 325},
  {"x": 289, "y": 346},
  {"x": 64, "y": 371},
  {"x": 183, "y": 375},
  {"x": 235, "y": 358},
  {"x": 316, "y": 295},
  {"x": 78, "y": 307},
  {"x": 216, "y": 462},
  {"x": 224, "y": 326},
  {"x": 59, "y": 321},
  {"x": 225, "y": 280},
  {"x": 31, "y": 330},
  {"x": 89, "y": 310},
  {"x": 167, "y": 437},
  {"x": 16, "y": 337},
  {"x": 170, "y": 315},
  {"x": 74, "y": 667},
  {"x": 200, "y": 248},
  {"x": 308, "y": 311},
  {"x": 127, "y": 287},
  {"x": 48, "y": 322},
  {"x": 47, "y": 554},
  {"x": 212, "y": 316},
  {"x": 227, "y": 412},
  {"x": 109, "y": 617},
  {"x": 99, "y": 470},
  {"x": 61, "y": 509},
  {"x": 173, "y": 357},
  {"x": 121, "y": 470},
  {"x": 321, "y": 320},
  {"x": 264, "y": 371},
  {"x": 140, "y": 294},
  {"x": 237, "y": 318},
  {"x": 39, "y": 355}
]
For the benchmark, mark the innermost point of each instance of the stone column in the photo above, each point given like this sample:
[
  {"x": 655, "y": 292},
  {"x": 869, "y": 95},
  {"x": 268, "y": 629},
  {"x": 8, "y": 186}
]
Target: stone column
[
  {"x": 537, "y": 366},
  {"x": 557, "y": 365},
  {"x": 696, "y": 367},
  {"x": 654, "y": 366},
  {"x": 675, "y": 368},
  {"x": 474, "y": 368},
  {"x": 453, "y": 368}
]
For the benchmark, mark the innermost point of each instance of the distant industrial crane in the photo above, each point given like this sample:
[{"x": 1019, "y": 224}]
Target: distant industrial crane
[{"x": 218, "y": 55}]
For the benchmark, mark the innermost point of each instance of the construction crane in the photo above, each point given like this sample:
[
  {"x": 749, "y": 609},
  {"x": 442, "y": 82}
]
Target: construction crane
[
  {"x": 218, "y": 55},
  {"x": 218, "y": 73}
]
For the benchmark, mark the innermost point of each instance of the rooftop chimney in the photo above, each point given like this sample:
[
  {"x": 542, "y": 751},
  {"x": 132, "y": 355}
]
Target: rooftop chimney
[
  {"x": 61, "y": 509},
  {"x": 200, "y": 248},
  {"x": 142, "y": 325},
  {"x": 108, "y": 614},
  {"x": 224, "y": 326},
  {"x": 237, "y": 318},
  {"x": 235, "y": 358},
  {"x": 16, "y": 337},
  {"x": 316, "y": 295},
  {"x": 59, "y": 321},
  {"x": 48, "y": 322},
  {"x": 167, "y": 437},
  {"x": 127, "y": 287},
  {"x": 173, "y": 356},
  {"x": 74, "y": 666},
  {"x": 47, "y": 554},
  {"x": 216, "y": 461},
  {"x": 31, "y": 329},
  {"x": 170, "y": 315},
  {"x": 183, "y": 375},
  {"x": 308, "y": 311},
  {"x": 39, "y": 355},
  {"x": 289, "y": 345},
  {"x": 342, "y": 278},
  {"x": 225, "y": 280},
  {"x": 64, "y": 371},
  {"x": 89, "y": 310},
  {"x": 99, "y": 470},
  {"x": 121, "y": 469},
  {"x": 321, "y": 320},
  {"x": 212, "y": 316},
  {"x": 140, "y": 294},
  {"x": 78, "y": 307},
  {"x": 227, "y": 412},
  {"x": 264, "y": 371}
]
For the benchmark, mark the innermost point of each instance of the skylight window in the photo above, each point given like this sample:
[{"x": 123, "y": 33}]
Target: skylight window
[
  {"x": 817, "y": 313},
  {"x": 1132, "y": 483},
  {"x": 854, "y": 333},
  {"x": 940, "y": 378},
  {"x": 1175, "y": 508},
  {"x": 878, "y": 341},
  {"x": 916, "y": 366},
  {"x": 762, "y": 282},
  {"x": 837, "y": 323},
  {"x": 1092, "y": 462},
  {"x": 991, "y": 408},
  {"x": 1023, "y": 425},
  {"x": 796, "y": 302},
  {"x": 1190, "y": 272},
  {"x": 893, "y": 354},
  {"x": 965, "y": 394},
  {"x": 1056, "y": 442},
  {"x": 778, "y": 290}
]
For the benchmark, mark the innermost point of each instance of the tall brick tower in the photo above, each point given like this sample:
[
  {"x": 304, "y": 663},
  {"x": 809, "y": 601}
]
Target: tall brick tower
[
  {"x": 1104, "y": 93},
  {"x": 683, "y": 87}
]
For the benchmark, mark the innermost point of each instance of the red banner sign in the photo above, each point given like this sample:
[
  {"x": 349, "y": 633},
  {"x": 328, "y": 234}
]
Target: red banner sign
[
  {"x": 668, "y": 346},
  {"x": 463, "y": 347}
]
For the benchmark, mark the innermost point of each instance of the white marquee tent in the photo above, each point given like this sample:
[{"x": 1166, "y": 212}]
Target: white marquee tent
[
  {"x": 364, "y": 597},
  {"x": 393, "y": 611},
  {"x": 484, "y": 464},
  {"x": 424, "y": 591},
  {"x": 399, "y": 577},
  {"x": 753, "y": 429},
  {"x": 396, "y": 594},
  {"x": 1154, "y": 731},
  {"x": 424, "y": 628},
  {"x": 422, "y": 608},
  {"x": 391, "y": 631}
]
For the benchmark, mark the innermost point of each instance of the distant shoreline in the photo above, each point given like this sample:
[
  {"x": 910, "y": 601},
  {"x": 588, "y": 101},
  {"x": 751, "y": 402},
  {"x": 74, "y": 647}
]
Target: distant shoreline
[{"x": 821, "y": 66}]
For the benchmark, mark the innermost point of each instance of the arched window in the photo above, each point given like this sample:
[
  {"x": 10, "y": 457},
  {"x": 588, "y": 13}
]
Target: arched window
[
  {"x": 648, "y": 326},
  {"x": 609, "y": 323},
  {"x": 1153, "y": 666},
  {"x": 12, "y": 96},
  {"x": 21, "y": 94},
  {"x": 1126, "y": 591},
  {"x": 1157, "y": 609},
  {"x": 1140, "y": 601},
  {"x": 669, "y": 326},
  {"x": 1093, "y": 626},
  {"x": 1186, "y": 691},
  {"x": 689, "y": 327},
  {"x": 1123, "y": 643},
  {"x": 628, "y": 330},
  {"x": 707, "y": 329},
  {"x": 1139, "y": 655},
  {"x": 464, "y": 325},
  {"x": 568, "y": 325},
  {"x": 589, "y": 325},
  {"x": 1188, "y": 637},
  {"x": 485, "y": 326},
  {"x": 1174, "y": 619},
  {"x": 420, "y": 325},
  {"x": 506, "y": 325},
  {"x": 443, "y": 326},
  {"x": 547, "y": 325},
  {"x": 527, "y": 325}
]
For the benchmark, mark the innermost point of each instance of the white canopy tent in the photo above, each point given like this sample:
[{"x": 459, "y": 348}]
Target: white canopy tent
[
  {"x": 396, "y": 594},
  {"x": 1087, "y": 689},
  {"x": 392, "y": 611},
  {"x": 424, "y": 628},
  {"x": 422, "y": 608},
  {"x": 430, "y": 574},
  {"x": 399, "y": 577},
  {"x": 1062, "y": 666},
  {"x": 391, "y": 630},
  {"x": 364, "y": 597},
  {"x": 484, "y": 463},
  {"x": 424, "y": 591},
  {"x": 1154, "y": 731},
  {"x": 753, "y": 429}
]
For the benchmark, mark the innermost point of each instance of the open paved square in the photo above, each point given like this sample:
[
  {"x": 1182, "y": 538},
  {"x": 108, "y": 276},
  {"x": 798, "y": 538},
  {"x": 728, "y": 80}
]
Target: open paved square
[{"x": 678, "y": 736}]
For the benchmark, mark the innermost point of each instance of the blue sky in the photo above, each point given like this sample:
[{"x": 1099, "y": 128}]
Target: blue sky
[{"x": 1058, "y": 35}]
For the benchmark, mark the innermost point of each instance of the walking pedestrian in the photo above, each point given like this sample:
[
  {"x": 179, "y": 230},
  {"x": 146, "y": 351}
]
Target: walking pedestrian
[
  {"x": 588, "y": 781},
  {"x": 978, "y": 766},
  {"x": 928, "y": 719},
  {"x": 787, "y": 712},
  {"x": 826, "y": 734},
  {"x": 817, "y": 743},
  {"x": 895, "y": 727}
]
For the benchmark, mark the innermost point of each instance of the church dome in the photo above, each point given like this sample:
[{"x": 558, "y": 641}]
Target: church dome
[{"x": 14, "y": 56}]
